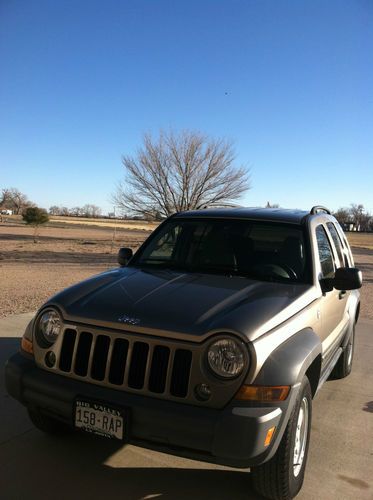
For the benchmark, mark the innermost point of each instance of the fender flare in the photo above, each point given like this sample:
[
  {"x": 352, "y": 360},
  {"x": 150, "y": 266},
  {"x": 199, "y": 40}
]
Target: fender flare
[{"x": 289, "y": 362}]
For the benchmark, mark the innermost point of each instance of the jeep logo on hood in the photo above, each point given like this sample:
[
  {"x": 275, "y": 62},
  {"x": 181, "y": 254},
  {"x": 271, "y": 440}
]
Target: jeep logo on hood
[{"x": 128, "y": 320}]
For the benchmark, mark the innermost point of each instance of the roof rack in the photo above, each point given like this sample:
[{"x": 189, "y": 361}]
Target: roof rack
[
  {"x": 220, "y": 205},
  {"x": 319, "y": 208}
]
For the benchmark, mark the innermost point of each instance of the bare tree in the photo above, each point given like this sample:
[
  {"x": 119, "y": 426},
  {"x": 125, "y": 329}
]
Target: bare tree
[
  {"x": 355, "y": 217},
  {"x": 13, "y": 199},
  {"x": 179, "y": 172},
  {"x": 272, "y": 205},
  {"x": 90, "y": 210},
  {"x": 54, "y": 210},
  {"x": 343, "y": 215},
  {"x": 65, "y": 211},
  {"x": 76, "y": 211},
  {"x": 357, "y": 214}
]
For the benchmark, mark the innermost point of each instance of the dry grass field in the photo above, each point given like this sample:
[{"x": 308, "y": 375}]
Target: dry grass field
[
  {"x": 65, "y": 254},
  {"x": 70, "y": 250},
  {"x": 107, "y": 223},
  {"x": 361, "y": 240}
]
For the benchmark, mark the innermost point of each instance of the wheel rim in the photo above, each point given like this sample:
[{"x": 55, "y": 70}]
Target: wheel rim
[
  {"x": 301, "y": 434},
  {"x": 350, "y": 346}
]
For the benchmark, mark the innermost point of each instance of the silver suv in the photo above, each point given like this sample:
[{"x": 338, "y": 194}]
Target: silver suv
[{"x": 209, "y": 343}]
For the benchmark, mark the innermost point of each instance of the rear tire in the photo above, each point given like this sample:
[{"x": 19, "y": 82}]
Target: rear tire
[
  {"x": 343, "y": 366},
  {"x": 47, "y": 424},
  {"x": 281, "y": 478}
]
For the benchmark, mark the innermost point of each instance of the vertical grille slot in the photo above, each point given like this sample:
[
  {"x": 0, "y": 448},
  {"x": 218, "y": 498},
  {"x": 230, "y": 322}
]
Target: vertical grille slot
[
  {"x": 82, "y": 354},
  {"x": 158, "y": 370},
  {"x": 67, "y": 349},
  {"x": 180, "y": 373},
  {"x": 118, "y": 361},
  {"x": 138, "y": 365},
  {"x": 100, "y": 357}
]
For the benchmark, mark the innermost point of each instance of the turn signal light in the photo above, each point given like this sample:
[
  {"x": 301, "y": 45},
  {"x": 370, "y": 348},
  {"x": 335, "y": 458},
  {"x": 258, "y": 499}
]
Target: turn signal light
[
  {"x": 263, "y": 393},
  {"x": 26, "y": 345},
  {"x": 269, "y": 436}
]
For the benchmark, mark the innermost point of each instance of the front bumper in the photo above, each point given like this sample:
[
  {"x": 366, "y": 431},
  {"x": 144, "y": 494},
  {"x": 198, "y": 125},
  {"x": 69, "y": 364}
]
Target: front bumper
[{"x": 232, "y": 436}]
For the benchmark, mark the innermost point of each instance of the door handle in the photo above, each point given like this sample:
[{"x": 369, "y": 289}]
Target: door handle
[{"x": 342, "y": 293}]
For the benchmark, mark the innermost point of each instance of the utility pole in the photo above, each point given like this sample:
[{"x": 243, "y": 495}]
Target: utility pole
[{"x": 114, "y": 231}]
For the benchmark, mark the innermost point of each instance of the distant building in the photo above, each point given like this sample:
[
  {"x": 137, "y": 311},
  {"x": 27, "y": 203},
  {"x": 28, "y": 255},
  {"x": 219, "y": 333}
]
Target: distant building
[
  {"x": 350, "y": 226},
  {"x": 6, "y": 212}
]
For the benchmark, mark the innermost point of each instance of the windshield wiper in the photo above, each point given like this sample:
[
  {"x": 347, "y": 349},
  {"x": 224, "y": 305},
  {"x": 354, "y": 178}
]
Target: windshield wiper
[{"x": 161, "y": 264}]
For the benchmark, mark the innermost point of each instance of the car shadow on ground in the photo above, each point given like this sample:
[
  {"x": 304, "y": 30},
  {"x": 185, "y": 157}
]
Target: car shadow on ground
[{"x": 77, "y": 465}]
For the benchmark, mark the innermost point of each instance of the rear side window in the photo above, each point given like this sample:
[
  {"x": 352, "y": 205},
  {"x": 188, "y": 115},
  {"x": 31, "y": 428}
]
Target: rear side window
[
  {"x": 346, "y": 248},
  {"x": 325, "y": 253},
  {"x": 337, "y": 243}
]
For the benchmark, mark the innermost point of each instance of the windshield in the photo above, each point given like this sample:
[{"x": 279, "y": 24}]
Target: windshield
[{"x": 254, "y": 249}]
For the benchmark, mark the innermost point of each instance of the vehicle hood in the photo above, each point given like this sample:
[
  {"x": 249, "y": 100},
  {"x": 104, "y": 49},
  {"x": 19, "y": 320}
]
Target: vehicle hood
[{"x": 180, "y": 304}]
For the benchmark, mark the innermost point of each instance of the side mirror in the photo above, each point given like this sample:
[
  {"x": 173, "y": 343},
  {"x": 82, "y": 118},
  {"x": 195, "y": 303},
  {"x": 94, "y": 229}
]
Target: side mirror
[
  {"x": 124, "y": 255},
  {"x": 347, "y": 278}
]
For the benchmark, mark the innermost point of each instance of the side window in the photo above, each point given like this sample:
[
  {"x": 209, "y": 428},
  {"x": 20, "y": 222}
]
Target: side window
[
  {"x": 325, "y": 253},
  {"x": 349, "y": 262},
  {"x": 165, "y": 246},
  {"x": 337, "y": 243}
]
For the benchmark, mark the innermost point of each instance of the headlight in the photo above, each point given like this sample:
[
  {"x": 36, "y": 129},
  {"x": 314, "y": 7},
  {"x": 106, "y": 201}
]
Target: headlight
[
  {"x": 48, "y": 327},
  {"x": 226, "y": 358}
]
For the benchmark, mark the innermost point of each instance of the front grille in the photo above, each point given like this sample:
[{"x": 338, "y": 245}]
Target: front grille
[{"x": 126, "y": 363}]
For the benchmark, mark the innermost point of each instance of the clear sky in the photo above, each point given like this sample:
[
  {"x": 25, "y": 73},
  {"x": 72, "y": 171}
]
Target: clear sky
[{"x": 291, "y": 82}]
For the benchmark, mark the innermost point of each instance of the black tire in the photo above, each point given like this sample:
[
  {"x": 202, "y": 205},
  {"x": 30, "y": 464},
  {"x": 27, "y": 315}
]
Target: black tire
[
  {"x": 278, "y": 478},
  {"x": 343, "y": 366},
  {"x": 47, "y": 424}
]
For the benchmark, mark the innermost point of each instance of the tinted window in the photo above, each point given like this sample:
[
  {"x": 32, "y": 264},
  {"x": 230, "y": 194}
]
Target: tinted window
[
  {"x": 337, "y": 243},
  {"x": 346, "y": 248},
  {"x": 271, "y": 252},
  {"x": 164, "y": 247},
  {"x": 325, "y": 253}
]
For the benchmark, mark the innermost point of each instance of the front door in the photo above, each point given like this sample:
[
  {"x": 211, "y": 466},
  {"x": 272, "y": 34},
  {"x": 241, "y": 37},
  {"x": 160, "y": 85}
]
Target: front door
[{"x": 334, "y": 319}]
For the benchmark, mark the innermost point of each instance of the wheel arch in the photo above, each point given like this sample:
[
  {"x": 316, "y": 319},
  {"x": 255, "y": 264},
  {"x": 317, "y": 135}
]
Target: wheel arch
[
  {"x": 298, "y": 356},
  {"x": 313, "y": 373}
]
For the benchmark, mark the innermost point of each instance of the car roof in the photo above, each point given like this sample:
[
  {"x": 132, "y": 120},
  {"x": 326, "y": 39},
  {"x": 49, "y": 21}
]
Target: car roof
[{"x": 292, "y": 216}]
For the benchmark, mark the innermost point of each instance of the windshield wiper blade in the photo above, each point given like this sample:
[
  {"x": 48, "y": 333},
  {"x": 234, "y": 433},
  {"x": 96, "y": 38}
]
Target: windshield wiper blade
[{"x": 162, "y": 264}]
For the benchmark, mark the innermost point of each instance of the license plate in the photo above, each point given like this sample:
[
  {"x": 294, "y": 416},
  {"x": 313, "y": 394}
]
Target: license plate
[{"x": 99, "y": 418}]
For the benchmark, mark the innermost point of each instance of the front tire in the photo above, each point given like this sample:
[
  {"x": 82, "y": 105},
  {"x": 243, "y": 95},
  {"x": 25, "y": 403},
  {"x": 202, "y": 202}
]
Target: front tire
[{"x": 281, "y": 478}]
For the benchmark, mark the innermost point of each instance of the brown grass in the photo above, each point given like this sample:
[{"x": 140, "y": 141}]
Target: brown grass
[
  {"x": 361, "y": 240},
  {"x": 59, "y": 220}
]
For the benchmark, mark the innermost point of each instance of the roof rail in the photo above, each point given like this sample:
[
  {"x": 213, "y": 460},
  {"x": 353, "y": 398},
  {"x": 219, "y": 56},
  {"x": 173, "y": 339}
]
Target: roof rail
[
  {"x": 319, "y": 208},
  {"x": 220, "y": 205}
]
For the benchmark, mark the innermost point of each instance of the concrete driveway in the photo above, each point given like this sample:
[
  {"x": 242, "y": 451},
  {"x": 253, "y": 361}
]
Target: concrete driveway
[{"x": 33, "y": 465}]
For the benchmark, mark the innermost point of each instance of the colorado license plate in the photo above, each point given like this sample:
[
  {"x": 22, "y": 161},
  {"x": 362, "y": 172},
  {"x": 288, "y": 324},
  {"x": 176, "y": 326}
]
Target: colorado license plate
[{"x": 99, "y": 418}]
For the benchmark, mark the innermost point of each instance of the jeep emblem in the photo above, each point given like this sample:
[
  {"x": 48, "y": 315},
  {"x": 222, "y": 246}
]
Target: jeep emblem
[{"x": 128, "y": 320}]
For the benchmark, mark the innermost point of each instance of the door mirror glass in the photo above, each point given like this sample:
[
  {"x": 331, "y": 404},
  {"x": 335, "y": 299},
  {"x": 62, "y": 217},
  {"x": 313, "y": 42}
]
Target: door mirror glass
[
  {"x": 347, "y": 278},
  {"x": 124, "y": 255}
]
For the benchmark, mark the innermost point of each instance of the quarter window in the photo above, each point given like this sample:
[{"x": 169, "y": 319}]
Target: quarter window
[
  {"x": 325, "y": 253},
  {"x": 337, "y": 243}
]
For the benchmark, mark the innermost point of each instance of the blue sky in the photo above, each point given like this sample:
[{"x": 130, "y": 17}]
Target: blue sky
[{"x": 290, "y": 82}]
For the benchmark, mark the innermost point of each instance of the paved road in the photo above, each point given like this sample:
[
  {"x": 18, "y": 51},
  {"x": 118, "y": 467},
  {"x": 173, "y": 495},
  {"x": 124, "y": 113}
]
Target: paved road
[{"x": 33, "y": 465}]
